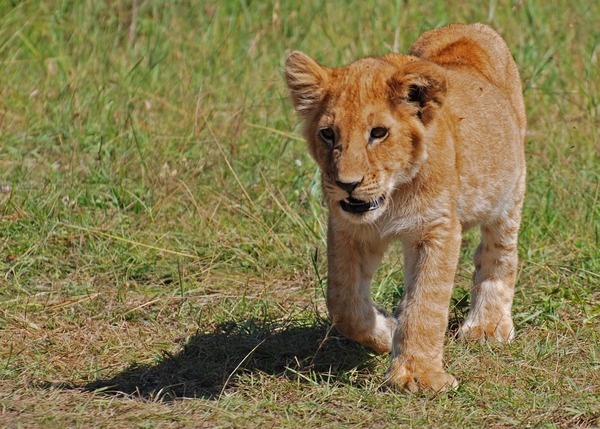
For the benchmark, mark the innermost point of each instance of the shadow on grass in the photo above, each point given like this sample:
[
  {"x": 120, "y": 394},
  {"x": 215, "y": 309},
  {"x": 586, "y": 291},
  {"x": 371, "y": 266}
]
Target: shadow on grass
[{"x": 211, "y": 362}]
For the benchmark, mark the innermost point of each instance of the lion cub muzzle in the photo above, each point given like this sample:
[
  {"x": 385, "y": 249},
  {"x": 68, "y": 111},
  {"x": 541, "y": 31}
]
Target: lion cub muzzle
[{"x": 356, "y": 205}]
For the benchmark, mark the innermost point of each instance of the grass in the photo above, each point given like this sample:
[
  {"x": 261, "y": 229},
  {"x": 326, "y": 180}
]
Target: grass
[{"x": 162, "y": 233}]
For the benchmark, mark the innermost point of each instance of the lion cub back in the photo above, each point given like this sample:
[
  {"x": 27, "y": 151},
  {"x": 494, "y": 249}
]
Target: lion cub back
[{"x": 478, "y": 49}]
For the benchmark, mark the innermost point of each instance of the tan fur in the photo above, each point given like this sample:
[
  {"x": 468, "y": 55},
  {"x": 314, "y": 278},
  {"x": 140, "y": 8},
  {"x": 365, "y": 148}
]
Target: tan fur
[{"x": 452, "y": 158}]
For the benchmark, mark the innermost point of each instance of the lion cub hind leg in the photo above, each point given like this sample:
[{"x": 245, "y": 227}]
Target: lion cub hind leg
[
  {"x": 351, "y": 267},
  {"x": 494, "y": 281}
]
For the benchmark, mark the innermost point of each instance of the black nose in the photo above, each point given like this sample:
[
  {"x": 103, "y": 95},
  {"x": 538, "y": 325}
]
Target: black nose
[{"x": 348, "y": 186}]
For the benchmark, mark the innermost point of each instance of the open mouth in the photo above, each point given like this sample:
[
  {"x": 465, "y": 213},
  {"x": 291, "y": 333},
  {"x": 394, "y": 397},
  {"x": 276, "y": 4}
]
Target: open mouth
[{"x": 352, "y": 205}]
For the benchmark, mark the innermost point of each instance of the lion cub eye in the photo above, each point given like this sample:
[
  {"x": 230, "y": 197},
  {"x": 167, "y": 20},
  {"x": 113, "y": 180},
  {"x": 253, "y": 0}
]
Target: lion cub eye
[
  {"x": 378, "y": 133},
  {"x": 327, "y": 135}
]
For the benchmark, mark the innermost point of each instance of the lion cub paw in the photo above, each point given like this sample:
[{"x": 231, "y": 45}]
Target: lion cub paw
[
  {"x": 401, "y": 376},
  {"x": 502, "y": 331}
]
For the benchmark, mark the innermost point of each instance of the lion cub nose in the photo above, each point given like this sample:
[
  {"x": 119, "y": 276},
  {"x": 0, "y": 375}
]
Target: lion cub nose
[{"x": 348, "y": 186}]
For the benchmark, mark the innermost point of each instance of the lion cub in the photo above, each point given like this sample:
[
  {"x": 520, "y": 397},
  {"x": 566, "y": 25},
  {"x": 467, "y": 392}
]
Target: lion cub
[{"x": 419, "y": 148}]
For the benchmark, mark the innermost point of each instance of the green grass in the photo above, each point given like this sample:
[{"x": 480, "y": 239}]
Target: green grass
[{"x": 162, "y": 247}]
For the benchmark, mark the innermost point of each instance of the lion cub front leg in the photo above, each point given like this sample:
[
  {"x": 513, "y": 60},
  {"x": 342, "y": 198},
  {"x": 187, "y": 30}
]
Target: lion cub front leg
[
  {"x": 351, "y": 264},
  {"x": 430, "y": 265}
]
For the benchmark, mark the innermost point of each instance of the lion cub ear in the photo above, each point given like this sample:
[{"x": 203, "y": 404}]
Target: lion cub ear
[
  {"x": 306, "y": 80},
  {"x": 421, "y": 84}
]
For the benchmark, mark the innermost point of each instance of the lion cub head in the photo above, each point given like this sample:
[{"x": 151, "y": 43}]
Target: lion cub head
[{"x": 365, "y": 125}]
